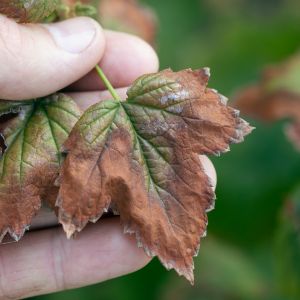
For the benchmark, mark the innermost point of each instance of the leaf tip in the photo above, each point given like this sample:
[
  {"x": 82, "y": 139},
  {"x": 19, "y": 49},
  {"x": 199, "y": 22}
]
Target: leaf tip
[
  {"x": 15, "y": 235},
  {"x": 243, "y": 129},
  {"x": 206, "y": 71},
  {"x": 69, "y": 229},
  {"x": 187, "y": 272}
]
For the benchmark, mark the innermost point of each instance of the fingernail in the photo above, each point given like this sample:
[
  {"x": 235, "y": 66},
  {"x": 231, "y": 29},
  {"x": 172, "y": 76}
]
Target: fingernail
[{"x": 74, "y": 35}]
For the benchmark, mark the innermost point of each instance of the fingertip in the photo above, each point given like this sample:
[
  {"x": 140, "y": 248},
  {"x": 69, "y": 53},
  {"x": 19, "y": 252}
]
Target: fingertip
[
  {"x": 137, "y": 58},
  {"x": 126, "y": 58},
  {"x": 39, "y": 59},
  {"x": 77, "y": 35},
  {"x": 97, "y": 47},
  {"x": 139, "y": 259},
  {"x": 209, "y": 169}
]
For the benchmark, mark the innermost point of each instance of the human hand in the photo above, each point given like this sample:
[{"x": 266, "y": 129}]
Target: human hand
[{"x": 37, "y": 60}]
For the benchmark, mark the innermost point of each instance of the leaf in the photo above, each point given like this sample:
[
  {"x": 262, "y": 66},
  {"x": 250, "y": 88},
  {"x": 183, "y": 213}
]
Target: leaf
[
  {"x": 28, "y": 11},
  {"x": 141, "y": 158},
  {"x": 276, "y": 97},
  {"x": 31, "y": 161},
  {"x": 129, "y": 16}
]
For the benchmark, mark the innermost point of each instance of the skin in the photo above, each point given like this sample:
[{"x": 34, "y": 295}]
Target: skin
[{"x": 45, "y": 261}]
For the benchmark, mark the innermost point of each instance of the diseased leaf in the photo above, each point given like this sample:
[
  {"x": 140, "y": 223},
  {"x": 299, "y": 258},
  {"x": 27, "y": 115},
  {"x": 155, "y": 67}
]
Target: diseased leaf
[
  {"x": 31, "y": 161},
  {"x": 140, "y": 157},
  {"x": 28, "y": 11},
  {"x": 276, "y": 97}
]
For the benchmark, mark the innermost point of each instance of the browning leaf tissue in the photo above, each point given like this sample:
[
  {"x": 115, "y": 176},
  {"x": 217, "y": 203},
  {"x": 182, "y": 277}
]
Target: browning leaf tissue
[
  {"x": 139, "y": 157},
  {"x": 276, "y": 97}
]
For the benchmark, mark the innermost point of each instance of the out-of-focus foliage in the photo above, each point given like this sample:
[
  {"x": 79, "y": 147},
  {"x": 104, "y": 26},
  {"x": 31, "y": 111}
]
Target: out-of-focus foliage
[
  {"x": 236, "y": 38},
  {"x": 275, "y": 97},
  {"x": 232, "y": 275},
  {"x": 128, "y": 16},
  {"x": 287, "y": 259}
]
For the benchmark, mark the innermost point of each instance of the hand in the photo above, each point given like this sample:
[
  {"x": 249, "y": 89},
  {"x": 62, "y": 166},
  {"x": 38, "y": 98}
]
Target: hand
[{"x": 37, "y": 60}]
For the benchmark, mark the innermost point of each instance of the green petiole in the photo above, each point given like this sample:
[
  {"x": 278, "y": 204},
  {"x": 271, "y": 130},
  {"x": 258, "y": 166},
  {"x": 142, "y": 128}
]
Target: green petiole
[{"x": 107, "y": 84}]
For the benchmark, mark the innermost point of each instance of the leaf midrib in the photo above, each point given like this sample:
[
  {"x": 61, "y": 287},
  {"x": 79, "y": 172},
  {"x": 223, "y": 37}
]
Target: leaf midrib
[
  {"x": 154, "y": 182},
  {"x": 150, "y": 176},
  {"x": 145, "y": 160},
  {"x": 52, "y": 134}
]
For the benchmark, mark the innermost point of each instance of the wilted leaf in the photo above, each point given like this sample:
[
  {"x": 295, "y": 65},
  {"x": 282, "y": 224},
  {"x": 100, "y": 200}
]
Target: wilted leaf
[
  {"x": 287, "y": 248},
  {"x": 129, "y": 16},
  {"x": 26, "y": 11},
  {"x": 31, "y": 161},
  {"x": 276, "y": 96},
  {"x": 141, "y": 158}
]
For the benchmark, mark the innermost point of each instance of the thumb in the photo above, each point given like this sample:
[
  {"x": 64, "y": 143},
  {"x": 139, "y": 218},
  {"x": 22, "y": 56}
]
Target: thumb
[{"x": 37, "y": 60}]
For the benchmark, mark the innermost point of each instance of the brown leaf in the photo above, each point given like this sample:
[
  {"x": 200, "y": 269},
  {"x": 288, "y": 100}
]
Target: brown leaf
[
  {"x": 276, "y": 97},
  {"x": 140, "y": 157},
  {"x": 129, "y": 16},
  {"x": 31, "y": 160}
]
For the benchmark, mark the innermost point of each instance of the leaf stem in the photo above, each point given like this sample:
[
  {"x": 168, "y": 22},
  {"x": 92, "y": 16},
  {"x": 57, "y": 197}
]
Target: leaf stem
[{"x": 107, "y": 84}]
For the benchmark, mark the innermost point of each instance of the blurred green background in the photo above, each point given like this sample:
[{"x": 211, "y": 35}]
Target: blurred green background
[{"x": 252, "y": 249}]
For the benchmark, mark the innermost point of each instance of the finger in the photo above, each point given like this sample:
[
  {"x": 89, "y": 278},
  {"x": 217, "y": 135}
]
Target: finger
[
  {"x": 209, "y": 169},
  {"x": 45, "y": 261},
  {"x": 126, "y": 57},
  {"x": 37, "y": 60}
]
